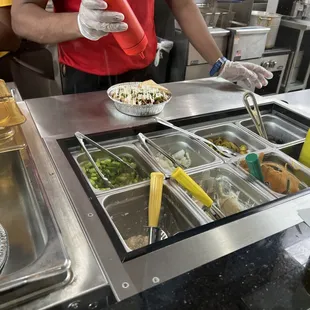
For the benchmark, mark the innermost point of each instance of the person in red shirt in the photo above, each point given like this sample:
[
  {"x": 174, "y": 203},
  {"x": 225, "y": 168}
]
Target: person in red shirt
[{"x": 90, "y": 57}]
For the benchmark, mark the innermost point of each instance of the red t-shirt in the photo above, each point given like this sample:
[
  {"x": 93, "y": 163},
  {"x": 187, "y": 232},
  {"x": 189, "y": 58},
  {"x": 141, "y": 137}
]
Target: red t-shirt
[{"x": 105, "y": 57}]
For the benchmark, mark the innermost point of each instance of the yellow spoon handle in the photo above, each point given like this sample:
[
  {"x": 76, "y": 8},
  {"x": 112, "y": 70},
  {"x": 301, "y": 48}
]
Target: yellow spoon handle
[
  {"x": 156, "y": 193},
  {"x": 189, "y": 184},
  {"x": 304, "y": 157}
]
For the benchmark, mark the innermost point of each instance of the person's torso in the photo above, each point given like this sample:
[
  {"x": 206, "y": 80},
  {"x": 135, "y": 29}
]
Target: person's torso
[
  {"x": 4, "y": 3},
  {"x": 105, "y": 57}
]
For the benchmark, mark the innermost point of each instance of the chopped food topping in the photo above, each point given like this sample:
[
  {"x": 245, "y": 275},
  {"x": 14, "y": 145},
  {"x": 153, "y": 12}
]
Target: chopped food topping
[
  {"x": 117, "y": 173},
  {"x": 219, "y": 141},
  {"x": 137, "y": 242},
  {"x": 277, "y": 176},
  {"x": 182, "y": 157}
]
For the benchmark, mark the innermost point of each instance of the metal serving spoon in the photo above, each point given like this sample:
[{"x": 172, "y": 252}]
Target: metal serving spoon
[{"x": 221, "y": 149}]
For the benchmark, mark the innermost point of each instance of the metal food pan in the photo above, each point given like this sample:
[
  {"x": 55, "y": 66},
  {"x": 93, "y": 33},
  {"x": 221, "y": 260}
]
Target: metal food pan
[
  {"x": 36, "y": 259},
  {"x": 175, "y": 142},
  {"x": 143, "y": 167},
  {"x": 292, "y": 166},
  {"x": 128, "y": 212},
  {"x": 248, "y": 195},
  {"x": 293, "y": 150},
  {"x": 280, "y": 130},
  {"x": 231, "y": 133}
]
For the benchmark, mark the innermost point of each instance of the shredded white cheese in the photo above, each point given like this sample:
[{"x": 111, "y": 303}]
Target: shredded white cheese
[{"x": 140, "y": 95}]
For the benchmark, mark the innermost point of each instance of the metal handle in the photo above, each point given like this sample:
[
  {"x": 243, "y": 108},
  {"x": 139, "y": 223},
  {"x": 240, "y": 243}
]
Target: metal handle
[
  {"x": 188, "y": 133},
  {"x": 255, "y": 114},
  {"x": 144, "y": 141},
  {"x": 81, "y": 138},
  {"x": 265, "y": 18}
]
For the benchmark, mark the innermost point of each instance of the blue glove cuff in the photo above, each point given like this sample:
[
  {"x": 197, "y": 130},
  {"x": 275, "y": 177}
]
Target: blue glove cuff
[{"x": 218, "y": 65}]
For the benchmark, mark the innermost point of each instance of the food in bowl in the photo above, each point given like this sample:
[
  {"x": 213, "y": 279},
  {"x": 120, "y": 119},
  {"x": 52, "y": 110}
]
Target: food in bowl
[{"x": 145, "y": 93}]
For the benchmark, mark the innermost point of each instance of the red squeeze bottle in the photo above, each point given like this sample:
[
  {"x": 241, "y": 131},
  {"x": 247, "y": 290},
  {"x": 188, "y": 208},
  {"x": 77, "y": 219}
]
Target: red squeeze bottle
[{"x": 133, "y": 41}]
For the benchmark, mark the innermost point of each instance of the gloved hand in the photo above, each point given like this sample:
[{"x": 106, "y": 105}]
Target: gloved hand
[
  {"x": 95, "y": 22},
  {"x": 250, "y": 74}
]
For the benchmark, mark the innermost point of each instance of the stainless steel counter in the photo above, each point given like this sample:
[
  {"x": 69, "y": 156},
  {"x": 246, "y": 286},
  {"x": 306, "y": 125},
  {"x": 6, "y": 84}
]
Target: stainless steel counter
[
  {"x": 296, "y": 24},
  {"x": 95, "y": 261},
  {"x": 62, "y": 116},
  {"x": 298, "y": 100},
  {"x": 87, "y": 274}
]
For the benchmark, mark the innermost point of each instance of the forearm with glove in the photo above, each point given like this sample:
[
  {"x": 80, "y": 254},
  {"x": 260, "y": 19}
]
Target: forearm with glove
[
  {"x": 96, "y": 22},
  {"x": 92, "y": 21},
  {"x": 195, "y": 28}
]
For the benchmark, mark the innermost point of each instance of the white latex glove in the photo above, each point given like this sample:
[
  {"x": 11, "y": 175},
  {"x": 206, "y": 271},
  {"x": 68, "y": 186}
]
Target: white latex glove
[
  {"x": 95, "y": 22},
  {"x": 250, "y": 74}
]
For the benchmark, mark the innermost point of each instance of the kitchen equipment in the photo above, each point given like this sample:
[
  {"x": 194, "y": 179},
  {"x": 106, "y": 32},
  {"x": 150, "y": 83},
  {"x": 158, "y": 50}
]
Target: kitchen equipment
[
  {"x": 136, "y": 110},
  {"x": 254, "y": 166},
  {"x": 247, "y": 42},
  {"x": 145, "y": 141},
  {"x": 189, "y": 184},
  {"x": 4, "y": 247},
  {"x": 11, "y": 139},
  {"x": 255, "y": 114},
  {"x": 210, "y": 15},
  {"x": 230, "y": 191},
  {"x": 155, "y": 200},
  {"x": 226, "y": 18},
  {"x": 37, "y": 261},
  {"x": 301, "y": 9},
  {"x": 304, "y": 157},
  {"x": 128, "y": 151},
  {"x": 81, "y": 139},
  {"x": 282, "y": 174},
  {"x": 274, "y": 60},
  {"x": 232, "y": 133},
  {"x": 269, "y": 20},
  {"x": 10, "y": 114},
  {"x": 223, "y": 150},
  {"x": 133, "y": 41},
  {"x": 279, "y": 131},
  {"x": 219, "y": 35},
  {"x": 4, "y": 91},
  {"x": 125, "y": 207}
]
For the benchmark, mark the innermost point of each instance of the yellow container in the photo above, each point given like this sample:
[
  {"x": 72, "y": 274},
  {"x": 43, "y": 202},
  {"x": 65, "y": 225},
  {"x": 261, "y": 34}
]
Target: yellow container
[
  {"x": 10, "y": 114},
  {"x": 304, "y": 157}
]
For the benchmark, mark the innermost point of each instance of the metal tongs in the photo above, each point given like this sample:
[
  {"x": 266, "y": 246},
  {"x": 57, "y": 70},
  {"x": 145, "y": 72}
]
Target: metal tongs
[
  {"x": 81, "y": 139},
  {"x": 145, "y": 141},
  {"x": 221, "y": 149},
  {"x": 255, "y": 114}
]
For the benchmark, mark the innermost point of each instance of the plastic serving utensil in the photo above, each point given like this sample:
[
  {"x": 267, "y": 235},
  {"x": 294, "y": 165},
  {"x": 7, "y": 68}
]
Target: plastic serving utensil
[
  {"x": 155, "y": 199},
  {"x": 189, "y": 184},
  {"x": 197, "y": 191},
  {"x": 254, "y": 166}
]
